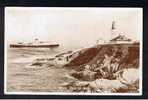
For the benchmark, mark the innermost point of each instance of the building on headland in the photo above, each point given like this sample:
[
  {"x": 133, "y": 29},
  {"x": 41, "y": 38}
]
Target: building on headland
[
  {"x": 116, "y": 38},
  {"x": 121, "y": 39}
]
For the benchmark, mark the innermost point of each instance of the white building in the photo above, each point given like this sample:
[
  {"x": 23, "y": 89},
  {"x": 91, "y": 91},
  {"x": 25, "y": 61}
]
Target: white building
[{"x": 121, "y": 39}]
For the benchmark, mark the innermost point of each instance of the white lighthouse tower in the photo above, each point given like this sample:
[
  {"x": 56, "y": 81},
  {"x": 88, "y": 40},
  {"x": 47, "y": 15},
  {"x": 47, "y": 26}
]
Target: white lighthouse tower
[{"x": 113, "y": 30}]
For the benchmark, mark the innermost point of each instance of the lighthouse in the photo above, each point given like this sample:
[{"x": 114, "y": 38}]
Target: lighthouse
[
  {"x": 113, "y": 30},
  {"x": 113, "y": 25},
  {"x": 118, "y": 37}
]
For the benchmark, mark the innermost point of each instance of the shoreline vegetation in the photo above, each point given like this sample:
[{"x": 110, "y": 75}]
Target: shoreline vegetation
[{"x": 108, "y": 68}]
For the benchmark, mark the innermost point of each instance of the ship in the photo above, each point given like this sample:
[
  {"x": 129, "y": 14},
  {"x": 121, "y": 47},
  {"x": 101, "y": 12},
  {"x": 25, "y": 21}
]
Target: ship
[{"x": 34, "y": 44}]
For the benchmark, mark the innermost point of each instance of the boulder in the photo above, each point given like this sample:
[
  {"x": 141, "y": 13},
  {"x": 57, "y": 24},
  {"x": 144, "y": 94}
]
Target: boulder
[
  {"x": 105, "y": 85},
  {"x": 129, "y": 76},
  {"x": 86, "y": 75}
]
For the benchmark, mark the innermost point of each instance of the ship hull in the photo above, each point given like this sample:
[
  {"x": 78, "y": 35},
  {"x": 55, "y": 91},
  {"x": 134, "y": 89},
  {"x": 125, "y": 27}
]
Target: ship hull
[{"x": 33, "y": 46}]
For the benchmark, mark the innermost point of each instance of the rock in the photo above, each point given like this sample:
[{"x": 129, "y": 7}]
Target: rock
[
  {"x": 86, "y": 75},
  {"x": 87, "y": 67},
  {"x": 89, "y": 75},
  {"x": 105, "y": 85},
  {"x": 77, "y": 75},
  {"x": 37, "y": 64},
  {"x": 129, "y": 76},
  {"x": 124, "y": 54},
  {"x": 77, "y": 86}
]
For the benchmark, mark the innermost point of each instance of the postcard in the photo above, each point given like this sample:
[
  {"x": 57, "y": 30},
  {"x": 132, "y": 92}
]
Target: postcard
[{"x": 73, "y": 50}]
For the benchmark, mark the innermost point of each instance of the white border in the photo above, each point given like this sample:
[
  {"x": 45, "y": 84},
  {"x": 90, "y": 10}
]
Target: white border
[{"x": 64, "y": 93}]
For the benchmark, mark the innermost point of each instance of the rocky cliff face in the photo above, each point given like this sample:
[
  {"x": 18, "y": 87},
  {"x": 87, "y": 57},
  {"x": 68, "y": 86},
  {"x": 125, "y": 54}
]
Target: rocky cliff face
[
  {"x": 107, "y": 68},
  {"x": 126, "y": 55},
  {"x": 104, "y": 61}
]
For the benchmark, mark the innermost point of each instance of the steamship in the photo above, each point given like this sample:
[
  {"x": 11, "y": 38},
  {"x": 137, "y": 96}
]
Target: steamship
[{"x": 35, "y": 44}]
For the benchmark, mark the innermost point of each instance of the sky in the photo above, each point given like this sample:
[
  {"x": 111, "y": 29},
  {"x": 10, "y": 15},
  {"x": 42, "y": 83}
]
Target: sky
[{"x": 70, "y": 26}]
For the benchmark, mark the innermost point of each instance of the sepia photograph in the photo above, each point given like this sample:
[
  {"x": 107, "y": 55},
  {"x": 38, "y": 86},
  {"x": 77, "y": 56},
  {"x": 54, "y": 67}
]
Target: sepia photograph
[{"x": 73, "y": 50}]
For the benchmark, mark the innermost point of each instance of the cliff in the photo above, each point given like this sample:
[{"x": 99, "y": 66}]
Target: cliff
[
  {"x": 127, "y": 55},
  {"x": 106, "y": 68}
]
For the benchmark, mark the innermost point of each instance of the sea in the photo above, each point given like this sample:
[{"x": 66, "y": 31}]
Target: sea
[{"x": 21, "y": 77}]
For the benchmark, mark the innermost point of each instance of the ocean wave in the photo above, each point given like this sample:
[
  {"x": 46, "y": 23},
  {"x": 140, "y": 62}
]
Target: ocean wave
[{"x": 22, "y": 60}]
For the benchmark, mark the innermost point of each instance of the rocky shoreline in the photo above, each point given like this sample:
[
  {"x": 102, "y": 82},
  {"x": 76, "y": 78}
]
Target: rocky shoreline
[{"x": 99, "y": 69}]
